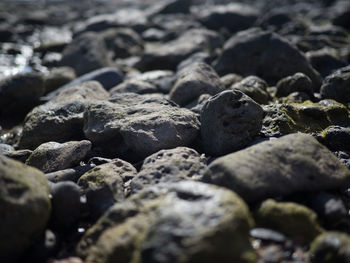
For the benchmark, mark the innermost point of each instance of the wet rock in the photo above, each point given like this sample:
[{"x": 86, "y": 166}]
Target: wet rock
[
  {"x": 5, "y": 148},
  {"x": 265, "y": 54},
  {"x": 255, "y": 88},
  {"x": 25, "y": 207},
  {"x": 19, "y": 155},
  {"x": 337, "y": 138},
  {"x": 234, "y": 17},
  {"x": 71, "y": 174},
  {"x": 65, "y": 205},
  {"x": 294, "y": 220},
  {"x": 297, "y": 162},
  {"x": 330, "y": 247},
  {"x": 104, "y": 185},
  {"x": 229, "y": 121},
  {"x": 193, "y": 81},
  {"x": 172, "y": 223},
  {"x": 336, "y": 86},
  {"x": 86, "y": 53},
  {"x": 135, "y": 86},
  {"x": 169, "y": 166},
  {"x": 139, "y": 124},
  {"x": 58, "y": 77},
  {"x": 298, "y": 82}
]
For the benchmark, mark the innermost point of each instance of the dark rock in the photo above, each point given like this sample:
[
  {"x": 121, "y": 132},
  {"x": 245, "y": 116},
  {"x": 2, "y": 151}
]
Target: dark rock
[
  {"x": 341, "y": 14},
  {"x": 197, "y": 105},
  {"x": 25, "y": 208},
  {"x": 298, "y": 82},
  {"x": 266, "y": 234},
  {"x": 336, "y": 86},
  {"x": 5, "y": 148},
  {"x": 230, "y": 79},
  {"x": 296, "y": 163},
  {"x": 337, "y": 138},
  {"x": 265, "y": 54},
  {"x": 65, "y": 205},
  {"x": 58, "y": 77},
  {"x": 162, "y": 79},
  {"x": 200, "y": 57},
  {"x": 135, "y": 86},
  {"x": 19, "y": 155},
  {"x": 229, "y": 121},
  {"x": 193, "y": 81},
  {"x": 170, "y": 7},
  {"x": 72, "y": 174}
]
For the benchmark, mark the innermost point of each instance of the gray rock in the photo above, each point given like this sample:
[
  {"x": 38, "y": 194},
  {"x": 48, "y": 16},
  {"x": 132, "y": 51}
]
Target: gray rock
[
  {"x": 58, "y": 77},
  {"x": 230, "y": 79},
  {"x": 86, "y": 53},
  {"x": 266, "y": 234},
  {"x": 162, "y": 79},
  {"x": 142, "y": 124},
  {"x": 254, "y": 87},
  {"x": 104, "y": 185},
  {"x": 197, "y": 105},
  {"x": 169, "y": 166},
  {"x": 135, "y": 86},
  {"x": 5, "y": 148},
  {"x": 195, "y": 58},
  {"x": 229, "y": 121},
  {"x": 172, "y": 223},
  {"x": 71, "y": 174},
  {"x": 336, "y": 86},
  {"x": 265, "y": 54},
  {"x": 24, "y": 205},
  {"x": 170, "y": 7},
  {"x": 337, "y": 138},
  {"x": 53, "y": 156},
  {"x": 19, "y": 155},
  {"x": 193, "y": 81},
  {"x": 298, "y": 82},
  {"x": 294, "y": 163}
]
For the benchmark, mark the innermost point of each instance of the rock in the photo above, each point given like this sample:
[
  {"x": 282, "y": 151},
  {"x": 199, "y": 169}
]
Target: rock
[
  {"x": 154, "y": 35},
  {"x": 5, "y": 148},
  {"x": 298, "y": 82},
  {"x": 162, "y": 79},
  {"x": 336, "y": 86},
  {"x": 71, "y": 174},
  {"x": 200, "y": 57},
  {"x": 58, "y": 77},
  {"x": 233, "y": 16},
  {"x": 139, "y": 124},
  {"x": 169, "y": 166},
  {"x": 193, "y": 81},
  {"x": 230, "y": 79},
  {"x": 172, "y": 223},
  {"x": 86, "y": 53},
  {"x": 337, "y": 138},
  {"x": 294, "y": 220},
  {"x": 297, "y": 163},
  {"x": 135, "y": 86},
  {"x": 197, "y": 105},
  {"x": 169, "y": 54},
  {"x": 330, "y": 247},
  {"x": 307, "y": 117},
  {"x": 53, "y": 156},
  {"x": 170, "y": 7},
  {"x": 25, "y": 208},
  {"x": 19, "y": 155},
  {"x": 107, "y": 77},
  {"x": 68, "y": 260},
  {"x": 19, "y": 94},
  {"x": 254, "y": 87},
  {"x": 229, "y": 122},
  {"x": 65, "y": 205},
  {"x": 60, "y": 119},
  {"x": 266, "y": 234},
  {"x": 341, "y": 14},
  {"x": 264, "y": 54},
  {"x": 104, "y": 185},
  {"x": 295, "y": 97}
]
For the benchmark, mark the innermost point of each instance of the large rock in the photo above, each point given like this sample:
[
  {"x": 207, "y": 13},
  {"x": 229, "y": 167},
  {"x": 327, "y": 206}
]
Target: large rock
[
  {"x": 193, "y": 81},
  {"x": 139, "y": 124},
  {"x": 265, "y": 54},
  {"x": 337, "y": 86},
  {"x": 24, "y": 205},
  {"x": 169, "y": 166},
  {"x": 182, "y": 222},
  {"x": 53, "y": 156},
  {"x": 229, "y": 121},
  {"x": 293, "y": 163}
]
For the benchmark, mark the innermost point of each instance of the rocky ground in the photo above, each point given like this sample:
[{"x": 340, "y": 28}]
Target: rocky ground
[{"x": 174, "y": 131}]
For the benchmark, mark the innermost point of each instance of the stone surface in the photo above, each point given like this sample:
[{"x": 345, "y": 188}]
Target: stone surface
[
  {"x": 298, "y": 82},
  {"x": 25, "y": 208},
  {"x": 135, "y": 86},
  {"x": 337, "y": 138},
  {"x": 172, "y": 223},
  {"x": 296, "y": 163},
  {"x": 58, "y": 77},
  {"x": 5, "y": 148},
  {"x": 53, "y": 156},
  {"x": 229, "y": 121},
  {"x": 19, "y": 155},
  {"x": 140, "y": 124},
  {"x": 254, "y": 87},
  {"x": 71, "y": 174},
  {"x": 193, "y": 81},
  {"x": 168, "y": 166},
  {"x": 336, "y": 86}
]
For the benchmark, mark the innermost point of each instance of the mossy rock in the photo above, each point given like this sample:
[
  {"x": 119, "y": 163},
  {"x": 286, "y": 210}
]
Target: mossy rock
[
  {"x": 291, "y": 219},
  {"x": 25, "y": 207}
]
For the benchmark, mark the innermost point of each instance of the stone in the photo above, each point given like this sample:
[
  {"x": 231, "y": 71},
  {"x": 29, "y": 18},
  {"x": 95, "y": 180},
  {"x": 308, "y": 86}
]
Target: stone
[
  {"x": 135, "y": 86},
  {"x": 336, "y": 86},
  {"x": 330, "y": 247},
  {"x": 71, "y": 174},
  {"x": 25, "y": 208},
  {"x": 53, "y": 156},
  {"x": 193, "y": 81},
  {"x": 298, "y": 82},
  {"x": 296, "y": 163},
  {"x": 172, "y": 223},
  {"x": 233, "y": 16},
  {"x": 169, "y": 7},
  {"x": 254, "y": 87},
  {"x": 200, "y": 57},
  {"x": 264, "y": 54},
  {"x": 139, "y": 124},
  {"x": 266, "y": 234},
  {"x": 197, "y": 105},
  {"x": 337, "y": 138},
  {"x": 58, "y": 77},
  {"x": 230, "y": 79},
  {"x": 65, "y": 205},
  {"x": 341, "y": 14},
  {"x": 171, "y": 165},
  {"x": 104, "y": 185},
  {"x": 5, "y": 148},
  {"x": 86, "y": 53},
  {"x": 292, "y": 219},
  {"x": 229, "y": 121},
  {"x": 19, "y": 155},
  {"x": 162, "y": 79}
]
